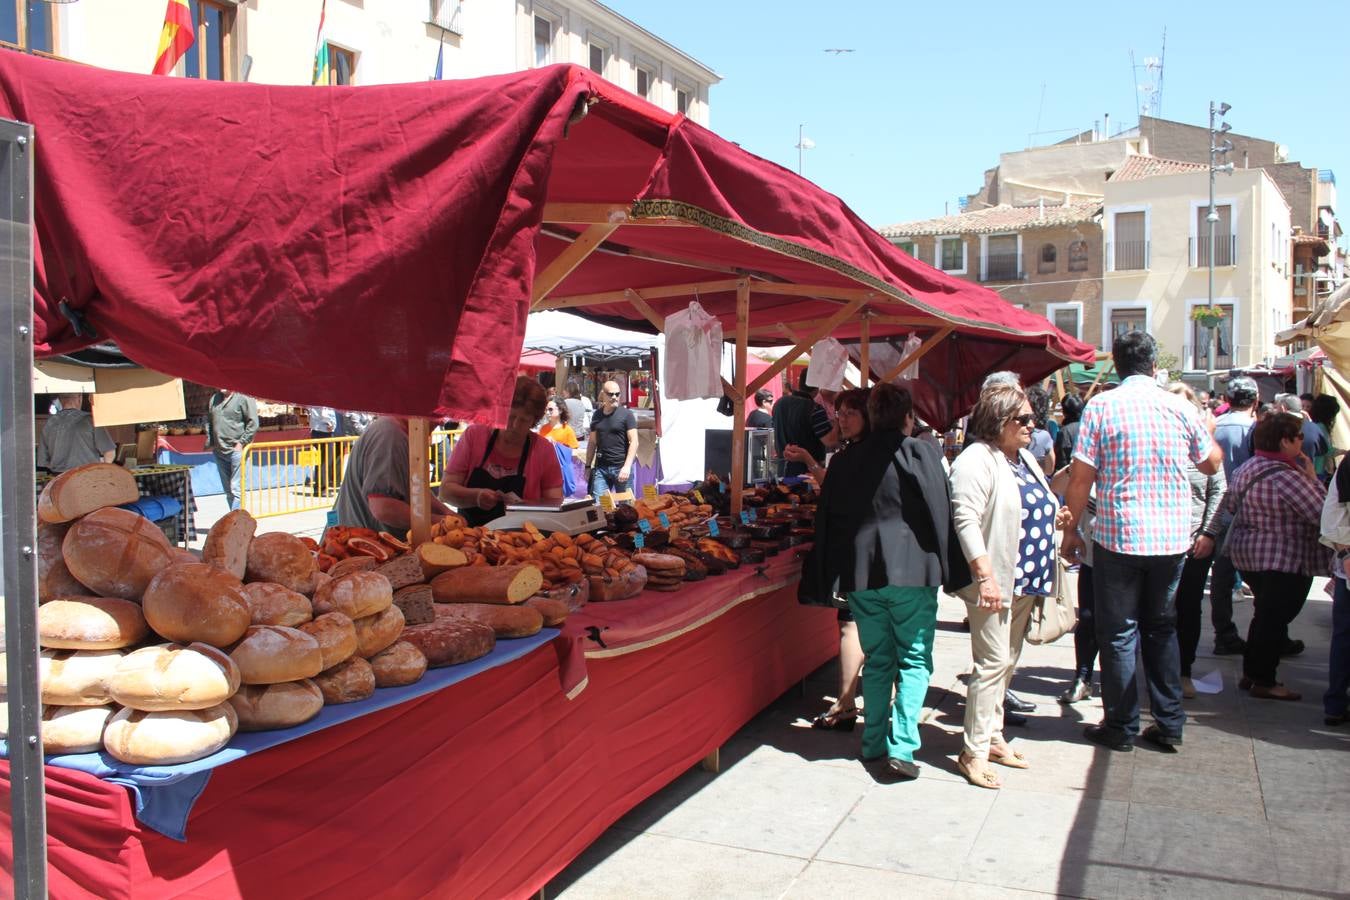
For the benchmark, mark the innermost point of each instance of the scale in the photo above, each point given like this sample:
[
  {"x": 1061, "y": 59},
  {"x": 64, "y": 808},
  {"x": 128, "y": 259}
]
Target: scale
[{"x": 569, "y": 517}]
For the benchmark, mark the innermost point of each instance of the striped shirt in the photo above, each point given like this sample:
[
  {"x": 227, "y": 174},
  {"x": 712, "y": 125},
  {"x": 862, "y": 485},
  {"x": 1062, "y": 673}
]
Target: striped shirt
[
  {"x": 1279, "y": 524},
  {"x": 1141, "y": 440}
]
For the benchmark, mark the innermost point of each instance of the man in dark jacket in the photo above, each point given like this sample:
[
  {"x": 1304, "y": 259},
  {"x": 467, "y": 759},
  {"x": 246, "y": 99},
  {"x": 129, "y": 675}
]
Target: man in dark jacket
[
  {"x": 231, "y": 425},
  {"x": 801, "y": 427}
]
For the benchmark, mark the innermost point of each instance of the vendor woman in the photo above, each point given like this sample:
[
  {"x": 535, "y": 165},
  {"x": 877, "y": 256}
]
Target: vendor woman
[{"x": 489, "y": 463}]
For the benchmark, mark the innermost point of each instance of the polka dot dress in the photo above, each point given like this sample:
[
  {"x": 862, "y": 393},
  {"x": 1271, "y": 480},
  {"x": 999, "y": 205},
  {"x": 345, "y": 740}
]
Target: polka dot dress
[{"x": 1036, "y": 540}]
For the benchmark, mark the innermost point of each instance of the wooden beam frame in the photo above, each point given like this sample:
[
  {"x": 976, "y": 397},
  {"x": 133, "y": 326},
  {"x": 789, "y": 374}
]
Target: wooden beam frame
[
  {"x": 738, "y": 398},
  {"x": 1092, "y": 389},
  {"x": 811, "y": 290},
  {"x": 419, "y": 488},
  {"x": 641, "y": 305},
  {"x": 865, "y": 349},
  {"x": 917, "y": 354},
  {"x": 571, "y": 257},
  {"x": 648, "y": 293},
  {"x": 804, "y": 344}
]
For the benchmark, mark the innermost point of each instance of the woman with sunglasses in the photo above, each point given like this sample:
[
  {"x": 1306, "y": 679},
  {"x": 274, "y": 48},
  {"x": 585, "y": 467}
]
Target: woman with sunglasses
[
  {"x": 1006, "y": 521},
  {"x": 557, "y": 427}
]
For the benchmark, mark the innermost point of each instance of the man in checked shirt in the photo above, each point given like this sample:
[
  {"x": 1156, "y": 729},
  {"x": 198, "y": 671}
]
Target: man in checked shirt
[{"x": 1134, "y": 443}]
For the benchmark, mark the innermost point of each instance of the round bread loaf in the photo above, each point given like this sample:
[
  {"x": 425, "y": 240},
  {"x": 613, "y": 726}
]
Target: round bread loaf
[
  {"x": 180, "y": 555},
  {"x": 375, "y": 633},
  {"x": 90, "y": 623},
  {"x": 355, "y": 595},
  {"x": 663, "y": 563},
  {"x": 282, "y": 559},
  {"x": 272, "y": 604},
  {"x": 54, "y": 578},
  {"x": 336, "y": 634},
  {"x": 196, "y": 602},
  {"x": 77, "y": 677},
  {"x": 171, "y": 676},
  {"x": 84, "y": 489},
  {"x": 320, "y": 579},
  {"x": 398, "y": 664},
  {"x": 265, "y": 707},
  {"x": 227, "y": 543},
  {"x": 269, "y": 654},
  {"x": 168, "y": 738},
  {"x": 353, "y": 564},
  {"x": 347, "y": 682},
  {"x": 74, "y": 729},
  {"x": 115, "y": 552}
]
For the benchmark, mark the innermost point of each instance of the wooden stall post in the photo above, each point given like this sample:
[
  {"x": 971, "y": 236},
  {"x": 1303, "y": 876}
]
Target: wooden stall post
[
  {"x": 419, "y": 496},
  {"x": 738, "y": 396},
  {"x": 1100, "y": 374},
  {"x": 917, "y": 354},
  {"x": 1059, "y": 385},
  {"x": 865, "y": 349}
]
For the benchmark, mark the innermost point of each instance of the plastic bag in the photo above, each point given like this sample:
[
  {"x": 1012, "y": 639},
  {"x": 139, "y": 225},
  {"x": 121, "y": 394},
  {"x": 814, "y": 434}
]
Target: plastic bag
[{"x": 828, "y": 359}]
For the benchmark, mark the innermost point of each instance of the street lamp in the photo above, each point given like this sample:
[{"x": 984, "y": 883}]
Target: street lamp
[{"x": 1217, "y": 148}]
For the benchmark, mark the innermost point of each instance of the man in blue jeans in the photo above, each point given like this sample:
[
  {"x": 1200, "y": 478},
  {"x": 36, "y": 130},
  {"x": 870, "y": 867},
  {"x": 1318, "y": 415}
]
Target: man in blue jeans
[
  {"x": 612, "y": 445},
  {"x": 231, "y": 424},
  {"x": 1135, "y": 444}
]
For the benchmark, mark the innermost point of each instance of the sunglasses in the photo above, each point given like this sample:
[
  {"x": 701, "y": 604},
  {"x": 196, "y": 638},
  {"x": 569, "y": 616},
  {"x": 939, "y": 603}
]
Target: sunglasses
[
  {"x": 611, "y": 393},
  {"x": 1024, "y": 420}
]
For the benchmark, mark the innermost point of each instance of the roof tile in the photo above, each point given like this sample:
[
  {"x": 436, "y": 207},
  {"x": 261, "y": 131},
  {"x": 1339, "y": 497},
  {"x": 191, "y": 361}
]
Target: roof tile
[{"x": 1001, "y": 218}]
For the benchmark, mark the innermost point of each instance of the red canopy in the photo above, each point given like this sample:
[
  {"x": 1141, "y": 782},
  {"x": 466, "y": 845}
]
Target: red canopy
[{"x": 377, "y": 247}]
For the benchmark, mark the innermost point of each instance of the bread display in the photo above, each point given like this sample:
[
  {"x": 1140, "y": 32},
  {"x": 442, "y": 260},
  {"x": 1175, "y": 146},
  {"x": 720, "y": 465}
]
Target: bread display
[
  {"x": 347, "y": 682},
  {"x": 320, "y": 579},
  {"x": 272, "y": 604},
  {"x": 54, "y": 578},
  {"x": 555, "y": 612},
  {"x": 450, "y": 640},
  {"x": 282, "y": 559},
  {"x": 197, "y": 602},
  {"x": 115, "y": 552},
  {"x": 179, "y": 555},
  {"x": 402, "y": 571},
  {"x": 417, "y": 603},
  {"x": 83, "y": 489},
  {"x": 505, "y": 621},
  {"x": 374, "y": 633},
  {"x": 437, "y": 558},
  {"x": 487, "y": 584},
  {"x": 353, "y": 564},
  {"x": 606, "y": 588},
  {"x": 336, "y": 635},
  {"x": 397, "y": 665},
  {"x": 77, "y": 677},
  {"x": 141, "y": 738},
  {"x": 74, "y": 729},
  {"x": 90, "y": 623},
  {"x": 267, "y": 707},
  {"x": 356, "y": 595},
  {"x": 658, "y": 564},
  {"x": 171, "y": 676},
  {"x": 228, "y": 541},
  {"x": 273, "y": 653},
  {"x": 573, "y": 596}
]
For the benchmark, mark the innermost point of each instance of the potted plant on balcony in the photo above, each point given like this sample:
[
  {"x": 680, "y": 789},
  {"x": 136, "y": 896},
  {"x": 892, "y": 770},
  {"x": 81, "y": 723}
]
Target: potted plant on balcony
[{"x": 1208, "y": 316}]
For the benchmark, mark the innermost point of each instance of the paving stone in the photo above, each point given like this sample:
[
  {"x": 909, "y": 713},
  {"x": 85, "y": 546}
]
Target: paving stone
[
  {"x": 1312, "y": 857},
  {"x": 1198, "y": 791},
  {"x": 825, "y": 879},
  {"x": 1172, "y": 852}
]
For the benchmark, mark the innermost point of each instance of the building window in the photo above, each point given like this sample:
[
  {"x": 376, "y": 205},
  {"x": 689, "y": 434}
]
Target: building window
[
  {"x": 1129, "y": 318},
  {"x": 446, "y": 14},
  {"x": 1078, "y": 256},
  {"x": 1067, "y": 317},
  {"x": 28, "y": 24},
  {"x": 644, "y": 83},
  {"x": 1225, "y": 242},
  {"x": 543, "y": 41},
  {"x": 682, "y": 101},
  {"x": 1130, "y": 248},
  {"x": 909, "y": 247},
  {"x": 210, "y": 55},
  {"x": 598, "y": 57},
  {"x": 951, "y": 254},
  {"x": 1002, "y": 262},
  {"x": 1200, "y": 337},
  {"x": 342, "y": 65},
  {"x": 1048, "y": 260}
]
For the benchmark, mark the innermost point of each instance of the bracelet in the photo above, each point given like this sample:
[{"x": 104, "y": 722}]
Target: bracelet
[{"x": 984, "y": 579}]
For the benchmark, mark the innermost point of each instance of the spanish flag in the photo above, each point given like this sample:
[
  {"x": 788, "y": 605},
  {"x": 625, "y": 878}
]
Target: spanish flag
[{"x": 175, "y": 38}]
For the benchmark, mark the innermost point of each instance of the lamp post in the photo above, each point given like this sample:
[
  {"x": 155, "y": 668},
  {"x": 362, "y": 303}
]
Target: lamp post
[
  {"x": 804, "y": 143},
  {"x": 1216, "y": 149}
]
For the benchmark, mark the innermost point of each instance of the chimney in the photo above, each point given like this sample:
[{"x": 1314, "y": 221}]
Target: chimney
[
  {"x": 1041, "y": 214},
  {"x": 1244, "y": 158},
  {"x": 1096, "y": 134},
  {"x": 1106, "y": 128}
]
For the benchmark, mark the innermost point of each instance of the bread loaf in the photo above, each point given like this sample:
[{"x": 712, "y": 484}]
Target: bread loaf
[
  {"x": 555, "y": 612},
  {"x": 320, "y": 579},
  {"x": 374, "y": 633},
  {"x": 419, "y": 608},
  {"x": 272, "y": 604},
  {"x": 83, "y": 489},
  {"x": 74, "y": 729},
  {"x": 402, "y": 571},
  {"x": 266, "y": 707},
  {"x": 227, "y": 542},
  {"x": 605, "y": 588},
  {"x": 171, "y": 676},
  {"x": 54, "y": 578},
  {"x": 487, "y": 584},
  {"x": 196, "y": 602},
  {"x": 450, "y": 640},
  {"x": 347, "y": 682},
  {"x": 269, "y": 654},
  {"x": 77, "y": 677},
  {"x": 115, "y": 552},
  {"x": 398, "y": 664},
  {"x": 353, "y": 564},
  {"x": 356, "y": 596},
  {"x": 283, "y": 559},
  {"x": 336, "y": 635},
  {"x": 660, "y": 563},
  {"x": 505, "y": 621},
  {"x": 571, "y": 595},
  {"x": 90, "y": 623},
  {"x": 168, "y": 738},
  {"x": 437, "y": 558},
  {"x": 180, "y": 555}
]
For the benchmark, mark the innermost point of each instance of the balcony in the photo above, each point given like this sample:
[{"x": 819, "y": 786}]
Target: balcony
[
  {"x": 1127, "y": 255},
  {"x": 1002, "y": 267},
  {"x": 1225, "y": 251}
]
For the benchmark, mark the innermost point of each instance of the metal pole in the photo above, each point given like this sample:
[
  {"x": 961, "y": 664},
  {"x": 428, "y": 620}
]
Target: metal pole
[
  {"x": 800, "y": 149},
  {"x": 28, "y": 814},
  {"x": 1210, "y": 220}
]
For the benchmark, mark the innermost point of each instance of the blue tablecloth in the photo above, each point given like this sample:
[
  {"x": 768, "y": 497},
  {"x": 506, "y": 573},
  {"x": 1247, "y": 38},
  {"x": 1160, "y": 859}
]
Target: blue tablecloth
[{"x": 164, "y": 795}]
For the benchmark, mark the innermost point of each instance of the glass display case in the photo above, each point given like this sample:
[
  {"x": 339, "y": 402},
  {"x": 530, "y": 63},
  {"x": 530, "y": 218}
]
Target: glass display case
[{"x": 761, "y": 460}]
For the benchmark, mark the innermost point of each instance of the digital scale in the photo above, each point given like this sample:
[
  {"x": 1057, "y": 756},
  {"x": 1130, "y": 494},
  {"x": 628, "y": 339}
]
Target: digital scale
[{"x": 569, "y": 517}]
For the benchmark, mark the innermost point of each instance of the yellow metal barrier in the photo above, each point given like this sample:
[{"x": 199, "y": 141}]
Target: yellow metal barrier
[{"x": 282, "y": 477}]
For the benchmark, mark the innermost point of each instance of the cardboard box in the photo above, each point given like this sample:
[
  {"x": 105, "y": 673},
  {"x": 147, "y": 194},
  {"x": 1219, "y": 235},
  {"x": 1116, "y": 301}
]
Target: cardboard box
[{"x": 129, "y": 396}]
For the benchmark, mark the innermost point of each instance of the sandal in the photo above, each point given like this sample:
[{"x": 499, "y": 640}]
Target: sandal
[
  {"x": 982, "y": 779},
  {"x": 839, "y": 720},
  {"x": 1005, "y": 755}
]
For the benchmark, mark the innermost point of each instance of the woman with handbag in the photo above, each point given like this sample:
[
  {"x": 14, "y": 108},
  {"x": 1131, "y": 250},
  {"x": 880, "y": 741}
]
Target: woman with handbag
[{"x": 1006, "y": 519}]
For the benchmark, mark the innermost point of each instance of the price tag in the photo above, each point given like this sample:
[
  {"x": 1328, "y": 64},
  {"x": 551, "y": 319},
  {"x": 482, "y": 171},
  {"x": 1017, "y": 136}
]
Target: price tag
[
  {"x": 607, "y": 502},
  {"x": 644, "y": 526},
  {"x": 649, "y": 492},
  {"x": 753, "y": 515},
  {"x": 745, "y": 517},
  {"x": 664, "y": 519},
  {"x": 698, "y": 498},
  {"x": 713, "y": 530},
  {"x": 639, "y": 540}
]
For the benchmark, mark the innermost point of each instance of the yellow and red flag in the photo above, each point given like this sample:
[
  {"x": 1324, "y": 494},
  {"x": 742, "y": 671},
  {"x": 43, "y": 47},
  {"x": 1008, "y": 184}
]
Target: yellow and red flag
[{"x": 175, "y": 38}]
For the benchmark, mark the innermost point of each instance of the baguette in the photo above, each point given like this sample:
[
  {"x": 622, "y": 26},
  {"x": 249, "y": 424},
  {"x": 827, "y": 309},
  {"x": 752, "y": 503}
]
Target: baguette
[{"x": 487, "y": 584}]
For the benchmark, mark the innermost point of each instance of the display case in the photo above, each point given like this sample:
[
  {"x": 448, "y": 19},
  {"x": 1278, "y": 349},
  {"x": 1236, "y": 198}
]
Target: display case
[{"x": 761, "y": 460}]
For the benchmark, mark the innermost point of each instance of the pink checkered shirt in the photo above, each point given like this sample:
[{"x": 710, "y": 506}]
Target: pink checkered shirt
[
  {"x": 1279, "y": 522},
  {"x": 1141, "y": 440}
]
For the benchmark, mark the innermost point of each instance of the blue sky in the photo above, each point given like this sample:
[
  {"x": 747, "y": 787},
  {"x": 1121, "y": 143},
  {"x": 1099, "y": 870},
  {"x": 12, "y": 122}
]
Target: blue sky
[{"x": 934, "y": 91}]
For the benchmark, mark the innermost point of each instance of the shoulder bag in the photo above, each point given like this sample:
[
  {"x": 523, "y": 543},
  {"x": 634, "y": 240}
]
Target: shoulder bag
[
  {"x": 1221, "y": 539},
  {"x": 1053, "y": 617}
]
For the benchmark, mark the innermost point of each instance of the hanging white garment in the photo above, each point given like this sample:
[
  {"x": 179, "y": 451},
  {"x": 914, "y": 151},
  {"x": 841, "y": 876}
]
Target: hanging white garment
[
  {"x": 828, "y": 360},
  {"x": 912, "y": 345},
  {"x": 692, "y": 367}
]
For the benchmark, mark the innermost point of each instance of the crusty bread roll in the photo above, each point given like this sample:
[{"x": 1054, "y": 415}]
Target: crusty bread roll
[
  {"x": 90, "y": 623},
  {"x": 506, "y": 621},
  {"x": 272, "y": 604},
  {"x": 451, "y": 640},
  {"x": 356, "y": 595},
  {"x": 180, "y": 555},
  {"x": 168, "y": 738},
  {"x": 54, "y": 578},
  {"x": 336, "y": 634},
  {"x": 171, "y": 676},
  {"x": 83, "y": 489},
  {"x": 398, "y": 664},
  {"x": 77, "y": 677},
  {"x": 353, "y": 564},
  {"x": 265, "y": 707},
  {"x": 269, "y": 654},
  {"x": 374, "y": 633},
  {"x": 226, "y": 545},
  {"x": 196, "y": 602},
  {"x": 74, "y": 729},
  {"x": 115, "y": 552},
  {"x": 347, "y": 682},
  {"x": 320, "y": 579},
  {"x": 282, "y": 559}
]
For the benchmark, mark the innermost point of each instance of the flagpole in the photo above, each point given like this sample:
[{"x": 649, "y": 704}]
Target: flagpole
[{"x": 800, "y": 149}]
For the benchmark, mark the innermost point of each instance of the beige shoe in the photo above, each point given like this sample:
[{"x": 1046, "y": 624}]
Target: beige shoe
[{"x": 1187, "y": 688}]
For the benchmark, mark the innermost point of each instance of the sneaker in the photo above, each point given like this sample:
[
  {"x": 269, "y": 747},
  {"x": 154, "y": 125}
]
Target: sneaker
[
  {"x": 1187, "y": 688},
  {"x": 1230, "y": 646}
]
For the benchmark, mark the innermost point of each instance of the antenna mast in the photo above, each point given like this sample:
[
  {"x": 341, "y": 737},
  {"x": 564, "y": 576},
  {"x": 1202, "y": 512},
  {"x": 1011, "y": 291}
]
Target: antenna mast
[{"x": 1150, "y": 90}]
